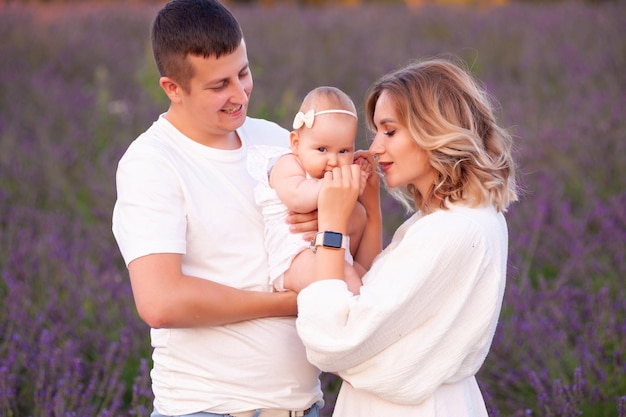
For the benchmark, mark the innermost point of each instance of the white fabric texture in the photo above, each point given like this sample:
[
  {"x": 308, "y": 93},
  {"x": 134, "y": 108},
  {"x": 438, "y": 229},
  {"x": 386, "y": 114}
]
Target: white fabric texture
[
  {"x": 178, "y": 196},
  {"x": 281, "y": 245},
  {"x": 413, "y": 340}
]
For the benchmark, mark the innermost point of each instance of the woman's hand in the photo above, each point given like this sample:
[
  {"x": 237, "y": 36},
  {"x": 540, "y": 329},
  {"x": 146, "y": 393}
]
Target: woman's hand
[
  {"x": 367, "y": 167},
  {"x": 370, "y": 193},
  {"x": 340, "y": 190}
]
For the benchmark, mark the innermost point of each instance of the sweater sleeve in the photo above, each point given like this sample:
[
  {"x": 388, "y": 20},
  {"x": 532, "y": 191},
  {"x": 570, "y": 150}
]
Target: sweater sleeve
[{"x": 426, "y": 314}]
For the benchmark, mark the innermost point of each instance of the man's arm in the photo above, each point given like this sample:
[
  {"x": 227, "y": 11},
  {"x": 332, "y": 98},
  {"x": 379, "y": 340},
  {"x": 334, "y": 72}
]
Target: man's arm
[{"x": 165, "y": 298}]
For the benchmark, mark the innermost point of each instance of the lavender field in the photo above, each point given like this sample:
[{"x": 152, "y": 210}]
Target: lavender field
[{"x": 78, "y": 84}]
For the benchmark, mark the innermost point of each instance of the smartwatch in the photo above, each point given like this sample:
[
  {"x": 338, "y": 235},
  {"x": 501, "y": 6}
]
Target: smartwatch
[{"x": 332, "y": 240}]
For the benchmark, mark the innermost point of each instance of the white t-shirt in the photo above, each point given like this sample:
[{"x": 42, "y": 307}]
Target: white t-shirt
[
  {"x": 412, "y": 341},
  {"x": 178, "y": 196}
]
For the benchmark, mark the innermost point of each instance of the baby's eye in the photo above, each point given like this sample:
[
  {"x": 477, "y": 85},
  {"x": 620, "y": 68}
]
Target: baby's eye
[
  {"x": 321, "y": 149},
  {"x": 344, "y": 151}
]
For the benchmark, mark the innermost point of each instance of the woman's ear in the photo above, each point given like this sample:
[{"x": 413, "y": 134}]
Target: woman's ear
[
  {"x": 294, "y": 142},
  {"x": 171, "y": 88}
]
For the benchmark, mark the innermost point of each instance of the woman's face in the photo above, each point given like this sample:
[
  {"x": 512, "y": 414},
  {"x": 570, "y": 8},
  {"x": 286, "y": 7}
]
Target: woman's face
[{"x": 400, "y": 159}]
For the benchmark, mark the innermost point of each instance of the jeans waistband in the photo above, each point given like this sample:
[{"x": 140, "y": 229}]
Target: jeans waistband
[{"x": 271, "y": 412}]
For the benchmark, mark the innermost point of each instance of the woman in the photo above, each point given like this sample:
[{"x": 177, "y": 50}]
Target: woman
[{"x": 412, "y": 342}]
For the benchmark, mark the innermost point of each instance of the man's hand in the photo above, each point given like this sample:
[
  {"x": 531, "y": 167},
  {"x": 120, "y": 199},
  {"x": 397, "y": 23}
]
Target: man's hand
[{"x": 303, "y": 223}]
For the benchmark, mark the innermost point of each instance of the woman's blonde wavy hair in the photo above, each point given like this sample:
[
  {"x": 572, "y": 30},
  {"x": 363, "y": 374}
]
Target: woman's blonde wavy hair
[{"x": 450, "y": 115}]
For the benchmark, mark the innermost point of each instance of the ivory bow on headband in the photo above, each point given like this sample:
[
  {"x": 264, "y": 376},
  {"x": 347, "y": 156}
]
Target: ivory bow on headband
[{"x": 307, "y": 119}]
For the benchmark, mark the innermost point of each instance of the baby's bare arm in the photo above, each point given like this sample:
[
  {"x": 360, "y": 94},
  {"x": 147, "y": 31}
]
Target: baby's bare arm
[{"x": 294, "y": 189}]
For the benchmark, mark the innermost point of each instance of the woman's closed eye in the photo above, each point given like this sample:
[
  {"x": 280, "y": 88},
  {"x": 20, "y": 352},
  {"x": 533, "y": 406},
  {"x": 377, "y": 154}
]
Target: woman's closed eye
[{"x": 389, "y": 132}]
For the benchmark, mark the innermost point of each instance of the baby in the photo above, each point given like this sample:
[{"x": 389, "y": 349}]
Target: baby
[{"x": 323, "y": 137}]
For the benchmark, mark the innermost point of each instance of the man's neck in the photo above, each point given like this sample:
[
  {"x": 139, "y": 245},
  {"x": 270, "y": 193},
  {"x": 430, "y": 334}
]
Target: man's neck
[{"x": 218, "y": 140}]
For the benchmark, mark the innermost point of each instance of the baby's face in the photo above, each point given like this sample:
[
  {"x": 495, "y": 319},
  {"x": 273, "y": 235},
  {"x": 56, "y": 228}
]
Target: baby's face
[{"x": 328, "y": 144}]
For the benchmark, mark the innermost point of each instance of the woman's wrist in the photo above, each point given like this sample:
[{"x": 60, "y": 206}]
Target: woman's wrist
[
  {"x": 337, "y": 229},
  {"x": 330, "y": 224}
]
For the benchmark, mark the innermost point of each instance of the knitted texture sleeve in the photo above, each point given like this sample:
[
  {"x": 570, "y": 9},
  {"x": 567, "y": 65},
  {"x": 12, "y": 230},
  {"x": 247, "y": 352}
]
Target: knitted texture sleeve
[{"x": 426, "y": 314}]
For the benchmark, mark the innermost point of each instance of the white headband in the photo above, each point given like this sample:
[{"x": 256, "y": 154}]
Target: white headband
[{"x": 307, "y": 119}]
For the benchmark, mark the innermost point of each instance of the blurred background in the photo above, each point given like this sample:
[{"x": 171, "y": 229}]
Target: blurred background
[{"x": 78, "y": 84}]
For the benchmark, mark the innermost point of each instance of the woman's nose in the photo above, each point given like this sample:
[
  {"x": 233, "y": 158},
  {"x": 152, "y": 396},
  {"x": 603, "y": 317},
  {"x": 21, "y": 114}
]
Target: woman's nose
[{"x": 376, "y": 147}]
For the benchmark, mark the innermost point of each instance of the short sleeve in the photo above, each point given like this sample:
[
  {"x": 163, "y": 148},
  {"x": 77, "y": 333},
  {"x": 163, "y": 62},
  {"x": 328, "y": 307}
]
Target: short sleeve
[{"x": 148, "y": 216}]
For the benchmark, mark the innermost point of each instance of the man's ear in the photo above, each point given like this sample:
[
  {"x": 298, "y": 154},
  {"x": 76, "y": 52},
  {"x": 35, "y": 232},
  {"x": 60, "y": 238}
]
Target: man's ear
[
  {"x": 171, "y": 88},
  {"x": 294, "y": 142}
]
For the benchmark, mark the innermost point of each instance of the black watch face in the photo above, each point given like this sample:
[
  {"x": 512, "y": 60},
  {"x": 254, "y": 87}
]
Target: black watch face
[{"x": 332, "y": 240}]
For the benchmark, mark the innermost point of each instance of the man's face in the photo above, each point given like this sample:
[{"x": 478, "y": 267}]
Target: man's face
[{"x": 219, "y": 92}]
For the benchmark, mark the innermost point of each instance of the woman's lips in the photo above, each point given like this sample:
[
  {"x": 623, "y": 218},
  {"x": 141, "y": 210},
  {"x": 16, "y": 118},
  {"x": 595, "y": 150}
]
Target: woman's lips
[{"x": 384, "y": 166}]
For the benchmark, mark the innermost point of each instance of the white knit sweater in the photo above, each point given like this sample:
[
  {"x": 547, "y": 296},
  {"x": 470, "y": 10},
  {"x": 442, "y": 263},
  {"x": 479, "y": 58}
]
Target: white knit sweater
[{"x": 412, "y": 342}]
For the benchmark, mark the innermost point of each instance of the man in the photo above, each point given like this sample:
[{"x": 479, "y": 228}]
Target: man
[{"x": 188, "y": 228}]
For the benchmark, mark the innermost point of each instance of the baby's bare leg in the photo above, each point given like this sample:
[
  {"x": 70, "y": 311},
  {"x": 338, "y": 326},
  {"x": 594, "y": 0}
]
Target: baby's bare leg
[{"x": 302, "y": 272}]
